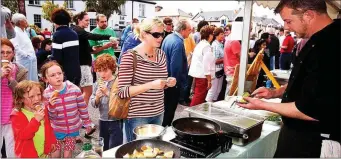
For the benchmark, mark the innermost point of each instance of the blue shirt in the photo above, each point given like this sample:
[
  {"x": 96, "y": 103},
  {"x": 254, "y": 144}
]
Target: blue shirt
[
  {"x": 131, "y": 41},
  {"x": 177, "y": 66}
]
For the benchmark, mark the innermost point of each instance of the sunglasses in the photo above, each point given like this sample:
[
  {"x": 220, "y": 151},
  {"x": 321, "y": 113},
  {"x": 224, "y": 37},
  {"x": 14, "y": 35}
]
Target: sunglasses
[{"x": 156, "y": 35}]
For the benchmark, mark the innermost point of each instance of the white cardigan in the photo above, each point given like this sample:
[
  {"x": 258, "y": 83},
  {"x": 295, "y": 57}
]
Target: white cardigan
[{"x": 203, "y": 61}]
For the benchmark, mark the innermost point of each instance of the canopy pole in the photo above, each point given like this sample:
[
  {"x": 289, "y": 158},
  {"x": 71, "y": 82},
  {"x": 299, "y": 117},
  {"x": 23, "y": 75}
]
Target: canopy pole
[{"x": 245, "y": 45}]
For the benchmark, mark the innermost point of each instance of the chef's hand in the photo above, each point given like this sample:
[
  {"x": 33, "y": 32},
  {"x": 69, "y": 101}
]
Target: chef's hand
[
  {"x": 263, "y": 93},
  {"x": 253, "y": 104},
  {"x": 171, "y": 82}
]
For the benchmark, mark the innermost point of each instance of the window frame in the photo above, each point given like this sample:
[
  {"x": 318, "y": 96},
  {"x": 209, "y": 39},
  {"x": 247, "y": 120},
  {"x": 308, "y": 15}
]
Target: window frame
[
  {"x": 142, "y": 9},
  {"x": 69, "y": 4},
  {"x": 37, "y": 20},
  {"x": 92, "y": 24},
  {"x": 34, "y": 2}
]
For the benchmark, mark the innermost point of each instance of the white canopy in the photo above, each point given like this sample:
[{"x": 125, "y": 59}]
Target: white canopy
[{"x": 333, "y": 6}]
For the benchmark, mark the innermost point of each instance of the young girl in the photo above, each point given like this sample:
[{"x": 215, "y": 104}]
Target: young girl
[
  {"x": 109, "y": 128},
  {"x": 33, "y": 133},
  {"x": 66, "y": 108}
]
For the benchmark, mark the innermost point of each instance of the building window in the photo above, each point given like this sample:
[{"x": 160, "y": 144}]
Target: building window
[
  {"x": 142, "y": 8},
  {"x": 123, "y": 9},
  {"x": 34, "y": 2},
  {"x": 121, "y": 22},
  {"x": 122, "y": 18},
  {"x": 69, "y": 3},
  {"x": 37, "y": 20},
  {"x": 93, "y": 24}
]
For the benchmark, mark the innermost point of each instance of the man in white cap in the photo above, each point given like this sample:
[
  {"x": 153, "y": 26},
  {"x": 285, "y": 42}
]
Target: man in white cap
[{"x": 24, "y": 51}]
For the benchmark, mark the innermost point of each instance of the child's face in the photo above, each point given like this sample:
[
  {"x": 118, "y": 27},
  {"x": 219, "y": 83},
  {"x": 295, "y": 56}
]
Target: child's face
[
  {"x": 105, "y": 74},
  {"x": 32, "y": 98},
  {"x": 54, "y": 76}
]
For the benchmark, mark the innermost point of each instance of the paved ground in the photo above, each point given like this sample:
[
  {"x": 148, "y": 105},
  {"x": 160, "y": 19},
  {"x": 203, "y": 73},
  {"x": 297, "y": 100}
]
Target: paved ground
[{"x": 94, "y": 115}]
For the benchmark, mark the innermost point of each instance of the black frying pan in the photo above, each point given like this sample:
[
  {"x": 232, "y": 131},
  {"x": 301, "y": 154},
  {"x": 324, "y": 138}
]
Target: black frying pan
[
  {"x": 137, "y": 144},
  {"x": 200, "y": 127}
]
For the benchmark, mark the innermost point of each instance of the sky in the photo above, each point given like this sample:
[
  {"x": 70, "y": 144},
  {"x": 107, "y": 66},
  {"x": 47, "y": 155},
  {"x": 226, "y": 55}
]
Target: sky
[{"x": 195, "y": 7}]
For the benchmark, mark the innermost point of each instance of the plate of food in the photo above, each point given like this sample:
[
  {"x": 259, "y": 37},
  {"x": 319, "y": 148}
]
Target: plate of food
[{"x": 148, "y": 148}]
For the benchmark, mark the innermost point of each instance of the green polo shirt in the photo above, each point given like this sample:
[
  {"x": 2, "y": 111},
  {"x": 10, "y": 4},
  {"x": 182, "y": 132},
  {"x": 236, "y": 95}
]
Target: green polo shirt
[
  {"x": 107, "y": 31},
  {"x": 39, "y": 137}
]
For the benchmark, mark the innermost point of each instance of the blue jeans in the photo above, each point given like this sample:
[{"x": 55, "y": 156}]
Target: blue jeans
[
  {"x": 285, "y": 61},
  {"x": 131, "y": 124},
  {"x": 272, "y": 63},
  {"x": 112, "y": 133}
]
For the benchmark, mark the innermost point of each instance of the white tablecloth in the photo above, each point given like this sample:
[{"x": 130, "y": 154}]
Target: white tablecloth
[{"x": 263, "y": 147}]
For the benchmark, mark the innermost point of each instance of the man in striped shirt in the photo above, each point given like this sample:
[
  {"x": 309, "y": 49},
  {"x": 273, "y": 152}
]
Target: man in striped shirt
[{"x": 65, "y": 46}]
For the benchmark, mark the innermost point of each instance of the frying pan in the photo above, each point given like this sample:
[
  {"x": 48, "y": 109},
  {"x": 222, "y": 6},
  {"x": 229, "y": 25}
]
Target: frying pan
[
  {"x": 200, "y": 127},
  {"x": 137, "y": 144}
]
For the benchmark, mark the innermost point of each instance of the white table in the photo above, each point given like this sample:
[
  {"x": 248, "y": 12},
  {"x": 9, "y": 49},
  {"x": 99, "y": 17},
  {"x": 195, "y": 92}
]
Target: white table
[{"x": 263, "y": 147}]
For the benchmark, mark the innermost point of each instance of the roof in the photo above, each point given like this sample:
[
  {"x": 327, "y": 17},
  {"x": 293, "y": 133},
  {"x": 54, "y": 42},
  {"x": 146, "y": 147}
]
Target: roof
[
  {"x": 172, "y": 12},
  {"x": 215, "y": 15},
  {"x": 142, "y": 1},
  {"x": 265, "y": 21}
]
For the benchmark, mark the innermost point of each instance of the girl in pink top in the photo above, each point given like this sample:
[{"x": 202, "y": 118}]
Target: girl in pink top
[{"x": 11, "y": 74}]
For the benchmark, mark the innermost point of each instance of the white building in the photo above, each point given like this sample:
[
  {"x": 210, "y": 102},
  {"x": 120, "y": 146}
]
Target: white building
[{"x": 131, "y": 9}]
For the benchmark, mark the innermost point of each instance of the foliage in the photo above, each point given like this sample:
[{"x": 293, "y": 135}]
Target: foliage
[
  {"x": 35, "y": 28},
  {"x": 11, "y": 4},
  {"x": 106, "y": 7},
  {"x": 48, "y": 8}
]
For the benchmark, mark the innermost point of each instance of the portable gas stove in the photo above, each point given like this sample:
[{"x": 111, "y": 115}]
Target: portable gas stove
[{"x": 202, "y": 148}]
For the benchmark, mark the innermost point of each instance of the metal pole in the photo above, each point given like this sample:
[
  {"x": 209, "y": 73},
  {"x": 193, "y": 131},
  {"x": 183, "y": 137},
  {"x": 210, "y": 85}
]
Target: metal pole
[{"x": 245, "y": 45}]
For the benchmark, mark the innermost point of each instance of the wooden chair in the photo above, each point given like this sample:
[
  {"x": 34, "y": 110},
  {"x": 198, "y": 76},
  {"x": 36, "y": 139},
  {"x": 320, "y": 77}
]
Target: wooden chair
[{"x": 252, "y": 74}]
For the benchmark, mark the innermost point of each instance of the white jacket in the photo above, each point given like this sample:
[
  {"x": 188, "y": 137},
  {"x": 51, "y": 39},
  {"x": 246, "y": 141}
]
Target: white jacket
[{"x": 203, "y": 61}]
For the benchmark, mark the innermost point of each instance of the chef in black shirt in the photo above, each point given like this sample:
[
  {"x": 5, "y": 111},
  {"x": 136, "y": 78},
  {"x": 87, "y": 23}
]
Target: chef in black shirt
[{"x": 310, "y": 106}]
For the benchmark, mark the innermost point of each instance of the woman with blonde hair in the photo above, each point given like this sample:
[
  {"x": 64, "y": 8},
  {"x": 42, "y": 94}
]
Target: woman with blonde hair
[{"x": 146, "y": 86}]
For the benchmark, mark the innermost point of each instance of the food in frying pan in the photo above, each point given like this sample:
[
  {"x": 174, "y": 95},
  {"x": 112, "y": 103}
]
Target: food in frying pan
[
  {"x": 241, "y": 99},
  {"x": 149, "y": 152}
]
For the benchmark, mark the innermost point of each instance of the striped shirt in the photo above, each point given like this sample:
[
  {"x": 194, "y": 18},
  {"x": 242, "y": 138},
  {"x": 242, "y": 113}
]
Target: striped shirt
[
  {"x": 151, "y": 102},
  {"x": 69, "y": 111}
]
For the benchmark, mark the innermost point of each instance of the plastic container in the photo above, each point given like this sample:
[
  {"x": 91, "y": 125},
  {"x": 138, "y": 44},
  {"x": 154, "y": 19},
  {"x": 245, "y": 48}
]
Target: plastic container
[{"x": 88, "y": 152}]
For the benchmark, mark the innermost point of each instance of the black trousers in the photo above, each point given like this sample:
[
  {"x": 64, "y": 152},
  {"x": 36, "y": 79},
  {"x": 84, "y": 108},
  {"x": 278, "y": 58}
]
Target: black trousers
[
  {"x": 171, "y": 102},
  {"x": 298, "y": 144},
  {"x": 186, "y": 91}
]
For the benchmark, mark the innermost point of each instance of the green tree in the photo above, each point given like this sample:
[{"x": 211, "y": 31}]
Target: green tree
[
  {"x": 11, "y": 4},
  {"x": 49, "y": 7},
  {"x": 106, "y": 7}
]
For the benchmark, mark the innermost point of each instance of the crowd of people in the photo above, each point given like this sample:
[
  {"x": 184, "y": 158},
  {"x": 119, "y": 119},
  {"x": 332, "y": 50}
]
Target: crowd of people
[{"x": 48, "y": 80}]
